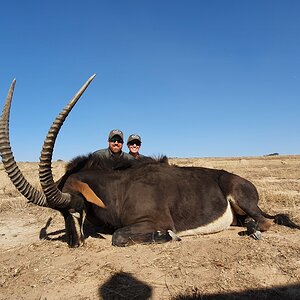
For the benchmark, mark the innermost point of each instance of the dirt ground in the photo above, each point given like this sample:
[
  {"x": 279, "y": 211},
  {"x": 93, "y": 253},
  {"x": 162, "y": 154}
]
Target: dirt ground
[{"x": 36, "y": 263}]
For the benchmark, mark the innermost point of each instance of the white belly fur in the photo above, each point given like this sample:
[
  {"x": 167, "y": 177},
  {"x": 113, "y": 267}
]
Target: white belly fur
[{"x": 218, "y": 225}]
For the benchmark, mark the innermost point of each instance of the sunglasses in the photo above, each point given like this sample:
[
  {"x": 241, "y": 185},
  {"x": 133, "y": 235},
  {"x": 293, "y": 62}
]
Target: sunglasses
[
  {"x": 138, "y": 143},
  {"x": 118, "y": 140}
]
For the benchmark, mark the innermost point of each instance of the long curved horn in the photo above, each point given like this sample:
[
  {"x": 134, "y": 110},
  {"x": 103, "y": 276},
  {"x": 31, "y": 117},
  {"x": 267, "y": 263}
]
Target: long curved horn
[
  {"x": 55, "y": 198},
  {"x": 23, "y": 186}
]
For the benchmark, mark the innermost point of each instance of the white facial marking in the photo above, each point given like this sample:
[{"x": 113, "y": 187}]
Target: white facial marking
[
  {"x": 78, "y": 223},
  {"x": 76, "y": 215}
]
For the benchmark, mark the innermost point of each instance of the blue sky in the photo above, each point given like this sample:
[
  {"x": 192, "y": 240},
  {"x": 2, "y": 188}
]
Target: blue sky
[{"x": 194, "y": 78}]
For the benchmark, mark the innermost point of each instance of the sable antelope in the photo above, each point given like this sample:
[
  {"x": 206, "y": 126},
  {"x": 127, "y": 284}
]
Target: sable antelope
[{"x": 143, "y": 201}]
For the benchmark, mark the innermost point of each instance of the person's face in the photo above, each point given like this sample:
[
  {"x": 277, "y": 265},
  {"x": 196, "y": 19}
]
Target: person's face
[
  {"x": 115, "y": 144},
  {"x": 134, "y": 146}
]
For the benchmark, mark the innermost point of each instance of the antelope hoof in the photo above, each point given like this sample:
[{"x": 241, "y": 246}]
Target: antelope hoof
[{"x": 256, "y": 235}]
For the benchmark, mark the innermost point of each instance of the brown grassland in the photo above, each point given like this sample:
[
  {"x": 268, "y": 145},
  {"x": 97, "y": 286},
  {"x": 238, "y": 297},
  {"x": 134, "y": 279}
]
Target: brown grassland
[{"x": 36, "y": 263}]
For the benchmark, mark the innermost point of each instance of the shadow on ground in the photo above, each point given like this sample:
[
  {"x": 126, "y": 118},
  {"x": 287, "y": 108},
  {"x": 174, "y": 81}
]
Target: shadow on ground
[{"x": 124, "y": 286}]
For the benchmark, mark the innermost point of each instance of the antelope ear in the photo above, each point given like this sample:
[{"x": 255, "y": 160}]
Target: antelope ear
[{"x": 88, "y": 193}]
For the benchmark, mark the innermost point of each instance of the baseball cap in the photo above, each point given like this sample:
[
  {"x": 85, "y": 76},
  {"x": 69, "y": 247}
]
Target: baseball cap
[
  {"x": 115, "y": 132},
  {"x": 134, "y": 137}
]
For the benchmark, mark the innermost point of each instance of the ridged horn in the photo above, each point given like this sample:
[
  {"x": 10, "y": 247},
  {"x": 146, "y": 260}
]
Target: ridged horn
[
  {"x": 55, "y": 198},
  {"x": 23, "y": 186}
]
